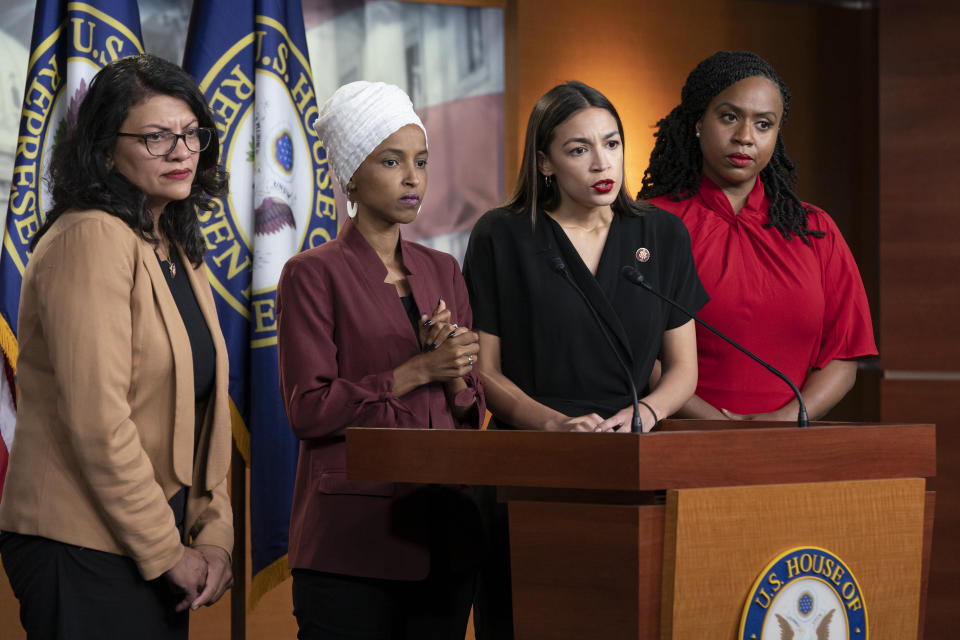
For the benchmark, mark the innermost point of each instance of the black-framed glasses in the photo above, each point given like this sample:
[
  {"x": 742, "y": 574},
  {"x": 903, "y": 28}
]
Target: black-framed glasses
[{"x": 162, "y": 143}]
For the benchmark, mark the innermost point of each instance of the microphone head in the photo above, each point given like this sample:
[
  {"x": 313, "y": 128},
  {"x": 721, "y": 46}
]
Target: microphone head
[
  {"x": 632, "y": 274},
  {"x": 556, "y": 263}
]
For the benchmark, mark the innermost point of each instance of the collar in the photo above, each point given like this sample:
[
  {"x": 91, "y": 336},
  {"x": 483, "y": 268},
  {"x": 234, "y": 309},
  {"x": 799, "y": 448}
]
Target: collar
[
  {"x": 716, "y": 200},
  {"x": 370, "y": 263},
  {"x": 363, "y": 259}
]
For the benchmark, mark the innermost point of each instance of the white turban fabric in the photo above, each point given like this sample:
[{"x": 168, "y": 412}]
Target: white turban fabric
[{"x": 357, "y": 118}]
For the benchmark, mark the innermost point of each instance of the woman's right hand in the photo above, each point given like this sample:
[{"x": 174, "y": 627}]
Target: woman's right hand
[
  {"x": 453, "y": 358},
  {"x": 589, "y": 422},
  {"x": 189, "y": 575}
]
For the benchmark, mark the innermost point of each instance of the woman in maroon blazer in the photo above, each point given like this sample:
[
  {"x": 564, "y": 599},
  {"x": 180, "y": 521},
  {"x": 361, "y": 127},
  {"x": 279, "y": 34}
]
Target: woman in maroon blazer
[{"x": 372, "y": 332}]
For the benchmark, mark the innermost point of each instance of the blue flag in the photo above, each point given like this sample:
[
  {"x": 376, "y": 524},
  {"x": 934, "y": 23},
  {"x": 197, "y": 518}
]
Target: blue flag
[
  {"x": 250, "y": 57},
  {"x": 71, "y": 42}
]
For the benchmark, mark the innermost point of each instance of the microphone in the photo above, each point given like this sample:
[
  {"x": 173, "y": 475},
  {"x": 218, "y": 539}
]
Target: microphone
[
  {"x": 557, "y": 264},
  {"x": 633, "y": 275}
]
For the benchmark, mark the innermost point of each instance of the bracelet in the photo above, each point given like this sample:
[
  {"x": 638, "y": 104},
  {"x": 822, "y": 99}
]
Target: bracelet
[{"x": 649, "y": 408}]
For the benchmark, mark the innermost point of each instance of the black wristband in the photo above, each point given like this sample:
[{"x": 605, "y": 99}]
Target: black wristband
[{"x": 650, "y": 409}]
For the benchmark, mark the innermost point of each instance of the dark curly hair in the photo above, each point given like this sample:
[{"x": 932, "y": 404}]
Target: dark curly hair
[
  {"x": 81, "y": 174},
  {"x": 554, "y": 107},
  {"x": 676, "y": 160}
]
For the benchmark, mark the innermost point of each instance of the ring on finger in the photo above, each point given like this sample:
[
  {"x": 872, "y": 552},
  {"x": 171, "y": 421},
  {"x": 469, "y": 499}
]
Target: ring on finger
[{"x": 469, "y": 359}]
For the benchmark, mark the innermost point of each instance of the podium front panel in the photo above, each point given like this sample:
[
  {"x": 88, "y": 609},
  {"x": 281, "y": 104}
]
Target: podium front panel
[{"x": 718, "y": 541}]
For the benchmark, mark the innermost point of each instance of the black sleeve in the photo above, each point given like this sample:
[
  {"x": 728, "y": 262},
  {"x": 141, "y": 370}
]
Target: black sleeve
[
  {"x": 685, "y": 287},
  {"x": 480, "y": 274}
]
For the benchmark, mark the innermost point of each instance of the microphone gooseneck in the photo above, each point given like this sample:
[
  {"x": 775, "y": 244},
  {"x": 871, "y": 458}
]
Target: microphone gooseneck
[
  {"x": 633, "y": 275},
  {"x": 557, "y": 264}
]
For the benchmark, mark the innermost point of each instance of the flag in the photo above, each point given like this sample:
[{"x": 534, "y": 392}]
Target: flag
[
  {"x": 250, "y": 57},
  {"x": 71, "y": 41}
]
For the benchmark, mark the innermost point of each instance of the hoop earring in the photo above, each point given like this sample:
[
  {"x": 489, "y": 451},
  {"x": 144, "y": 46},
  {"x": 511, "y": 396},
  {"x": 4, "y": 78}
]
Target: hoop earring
[{"x": 352, "y": 208}]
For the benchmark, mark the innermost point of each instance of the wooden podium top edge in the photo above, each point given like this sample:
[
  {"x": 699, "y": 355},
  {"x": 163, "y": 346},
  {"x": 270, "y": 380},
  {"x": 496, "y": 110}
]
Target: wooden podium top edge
[{"x": 710, "y": 455}]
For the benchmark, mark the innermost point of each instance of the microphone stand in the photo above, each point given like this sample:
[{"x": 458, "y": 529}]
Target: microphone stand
[
  {"x": 636, "y": 424},
  {"x": 633, "y": 275}
]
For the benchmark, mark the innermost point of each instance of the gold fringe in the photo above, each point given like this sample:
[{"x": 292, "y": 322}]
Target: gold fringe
[
  {"x": 241, "y": 435},
  {"x": 267, "y": 578},
  {"x": 8, "y": 342}
]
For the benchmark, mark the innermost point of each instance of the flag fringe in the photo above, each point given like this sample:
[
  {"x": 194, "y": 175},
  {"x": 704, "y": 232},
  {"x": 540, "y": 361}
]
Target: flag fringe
[
  {"x": 8, "y": 342},
  {"x": 266, "y": 579}
]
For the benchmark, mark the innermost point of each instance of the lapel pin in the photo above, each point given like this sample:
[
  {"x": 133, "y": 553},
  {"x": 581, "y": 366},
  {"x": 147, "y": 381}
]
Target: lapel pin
[{"x": 643, "y": 254}]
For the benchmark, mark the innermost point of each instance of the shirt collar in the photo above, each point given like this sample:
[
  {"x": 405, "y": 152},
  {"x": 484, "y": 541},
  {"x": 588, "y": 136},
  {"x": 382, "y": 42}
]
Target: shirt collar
[
  {"x": 370, "y": 262},
  {"x": 715, "y": 199}
]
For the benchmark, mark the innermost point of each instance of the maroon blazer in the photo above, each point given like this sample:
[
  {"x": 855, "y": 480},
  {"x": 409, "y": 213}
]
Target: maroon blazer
[{"x": 341, "y": 331}]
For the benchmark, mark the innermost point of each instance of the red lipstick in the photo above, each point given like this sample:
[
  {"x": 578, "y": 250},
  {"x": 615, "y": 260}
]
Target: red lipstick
[
  {"x": 739, "y": 159},
  {"x": 603, "y": 186},
  {"x": 179, "y": 174}
]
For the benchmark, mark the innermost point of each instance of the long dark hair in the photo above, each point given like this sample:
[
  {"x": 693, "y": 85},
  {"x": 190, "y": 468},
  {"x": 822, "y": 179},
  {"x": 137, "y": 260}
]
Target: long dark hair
[
  {"x": 554, "y": 107},
  {"x": 81, "y": 173},
  {"x": 676, "y": 160}
]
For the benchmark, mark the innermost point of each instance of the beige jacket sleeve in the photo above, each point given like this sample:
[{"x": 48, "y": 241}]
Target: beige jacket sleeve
[{"x": 87, "y": 274}]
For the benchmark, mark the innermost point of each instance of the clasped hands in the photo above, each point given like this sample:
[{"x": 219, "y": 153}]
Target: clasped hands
[
  {"x": 203, "y": 574},
  {"x": 449, "y": 351}
]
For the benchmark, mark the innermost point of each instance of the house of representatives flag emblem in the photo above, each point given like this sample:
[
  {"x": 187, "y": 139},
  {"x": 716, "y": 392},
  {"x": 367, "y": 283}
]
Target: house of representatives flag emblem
[{"x": 250, "y": 59}]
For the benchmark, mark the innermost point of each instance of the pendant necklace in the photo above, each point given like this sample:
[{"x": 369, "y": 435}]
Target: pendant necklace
[{"x": 171, "y": 266}]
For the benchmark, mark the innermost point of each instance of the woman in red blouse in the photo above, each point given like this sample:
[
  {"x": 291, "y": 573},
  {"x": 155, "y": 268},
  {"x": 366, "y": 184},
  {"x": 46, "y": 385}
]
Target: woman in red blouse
[{"x": 781, "y": 279}]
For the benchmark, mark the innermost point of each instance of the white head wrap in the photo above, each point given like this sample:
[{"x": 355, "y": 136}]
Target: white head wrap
[{"x": 357, "y": 118}]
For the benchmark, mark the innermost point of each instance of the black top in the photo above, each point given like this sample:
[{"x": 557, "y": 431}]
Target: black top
[
  {"x": 410, "y": 306},
  {"x": 201, "y": 343},
  {"x": 550, "y": 344},
  {"x": 204, "y": 359}
]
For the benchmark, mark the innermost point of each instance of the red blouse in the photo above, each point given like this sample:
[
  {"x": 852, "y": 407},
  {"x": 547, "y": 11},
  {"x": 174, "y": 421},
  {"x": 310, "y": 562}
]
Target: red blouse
[{"x": 796, "y": 306}]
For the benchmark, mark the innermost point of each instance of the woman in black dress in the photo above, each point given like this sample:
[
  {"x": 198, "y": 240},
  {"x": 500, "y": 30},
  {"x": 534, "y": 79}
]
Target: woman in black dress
[{"x": 531, "y": 265}]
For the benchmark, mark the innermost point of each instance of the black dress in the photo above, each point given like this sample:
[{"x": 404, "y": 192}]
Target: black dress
[{"x": 550, "y": 344}]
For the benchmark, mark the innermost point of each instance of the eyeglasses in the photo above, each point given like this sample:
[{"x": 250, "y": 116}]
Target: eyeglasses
[{"x": 162, "y": 143}]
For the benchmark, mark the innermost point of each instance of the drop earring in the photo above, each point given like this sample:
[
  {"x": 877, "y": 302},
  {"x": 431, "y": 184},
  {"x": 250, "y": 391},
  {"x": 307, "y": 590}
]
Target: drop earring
[{"x": 352, "y": 208}]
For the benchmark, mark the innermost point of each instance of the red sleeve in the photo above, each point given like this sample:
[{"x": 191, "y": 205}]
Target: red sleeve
[
  {"x": 847, "y": 328},
  {"x": 320, "y": 403}
]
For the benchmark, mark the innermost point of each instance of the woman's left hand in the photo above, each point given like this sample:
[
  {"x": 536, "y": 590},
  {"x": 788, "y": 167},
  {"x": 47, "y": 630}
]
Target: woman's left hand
[
  {"x": 219, "y": 575},
  {"x": 621, "y": 421},
  {"x": 436, "y": 328}
]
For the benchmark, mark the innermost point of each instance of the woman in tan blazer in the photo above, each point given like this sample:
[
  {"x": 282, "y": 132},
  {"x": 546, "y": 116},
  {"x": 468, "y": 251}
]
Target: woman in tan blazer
[{"x": 115, "y": 514}]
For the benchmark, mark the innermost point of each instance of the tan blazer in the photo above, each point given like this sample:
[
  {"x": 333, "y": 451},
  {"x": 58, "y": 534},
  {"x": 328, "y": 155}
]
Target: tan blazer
[{"x": 105, "y": 418}]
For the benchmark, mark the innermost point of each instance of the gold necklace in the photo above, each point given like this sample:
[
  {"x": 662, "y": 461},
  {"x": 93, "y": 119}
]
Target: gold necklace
[{"x": 171, "y": 265}]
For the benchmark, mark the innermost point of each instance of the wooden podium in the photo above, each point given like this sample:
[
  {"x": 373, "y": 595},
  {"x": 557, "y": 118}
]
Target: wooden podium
[{"x": 662, "y": 535}]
